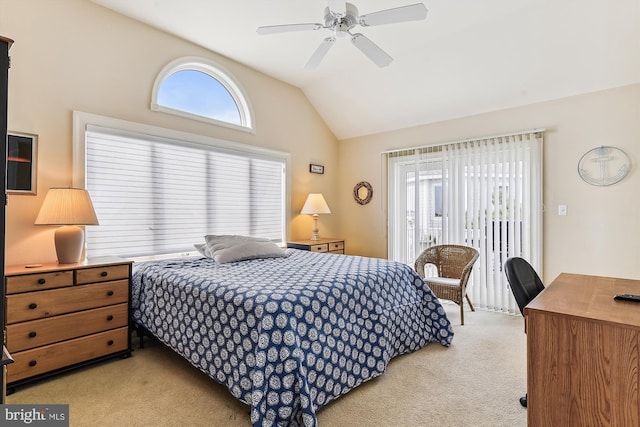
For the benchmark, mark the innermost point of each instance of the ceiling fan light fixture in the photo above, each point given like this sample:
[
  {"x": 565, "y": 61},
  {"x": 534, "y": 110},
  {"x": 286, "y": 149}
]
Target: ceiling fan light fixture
[
  {"x": 341, "y": 30},
  {"x": 341, "y": 17},
  {"x": 348, "y": 20}
]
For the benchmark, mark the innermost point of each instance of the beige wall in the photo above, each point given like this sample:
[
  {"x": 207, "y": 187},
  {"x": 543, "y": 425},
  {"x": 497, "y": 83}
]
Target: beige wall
[
  {"x": 601, "y": 233},
  {"x": 74, "y": 55}
]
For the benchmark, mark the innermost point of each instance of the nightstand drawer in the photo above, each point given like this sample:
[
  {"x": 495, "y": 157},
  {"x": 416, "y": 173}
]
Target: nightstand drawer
[
  {"x": 44, "y": 359},
  {"x": 319, "y": 248},
  {"x": 35, "y": 333},
  {"x": 337, "y": 246},
  {"x": 102, "y": 274},
  {"x": 39, "y": 305},
  {"x": 38, "y": 282}
]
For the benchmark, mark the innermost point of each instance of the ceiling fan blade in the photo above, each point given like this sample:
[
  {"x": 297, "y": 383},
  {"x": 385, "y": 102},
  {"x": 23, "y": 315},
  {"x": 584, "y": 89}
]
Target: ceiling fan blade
[
  {"x": 320, "y": 52},
  {"x": 371, "y": 50},
  {"x": 414, "y": 12},
  {"x": 338, "y": 7},
  {"x": 287, "y": 28}
]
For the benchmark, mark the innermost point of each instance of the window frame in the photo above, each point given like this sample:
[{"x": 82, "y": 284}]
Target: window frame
[
  {"x": 216, "y": 72},
  {"x": 81, "y": 120}
]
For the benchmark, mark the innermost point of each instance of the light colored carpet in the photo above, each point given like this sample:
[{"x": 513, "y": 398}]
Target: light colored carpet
[{"x": 477, "y": 381}]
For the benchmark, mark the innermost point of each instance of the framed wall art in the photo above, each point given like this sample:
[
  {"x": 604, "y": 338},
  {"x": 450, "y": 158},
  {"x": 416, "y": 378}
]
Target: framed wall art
[
  {"x": 22, "y": 151},
  {"x": 603, "y": 166},
  {"x": 316, "y": 168}
]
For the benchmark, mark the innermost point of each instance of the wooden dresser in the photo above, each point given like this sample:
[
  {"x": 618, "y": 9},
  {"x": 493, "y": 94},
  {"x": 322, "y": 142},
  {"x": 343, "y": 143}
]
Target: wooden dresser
[
  {"x": 334, "y": 246},
  {"x": 62, "y": 316},
  {"x": 583, "y": 353}
]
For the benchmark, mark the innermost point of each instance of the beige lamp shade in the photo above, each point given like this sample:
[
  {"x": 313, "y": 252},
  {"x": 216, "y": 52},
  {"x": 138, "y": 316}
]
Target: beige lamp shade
[
  {"x": 315, "y": 204},
  {"x": 68, "y": 207}
]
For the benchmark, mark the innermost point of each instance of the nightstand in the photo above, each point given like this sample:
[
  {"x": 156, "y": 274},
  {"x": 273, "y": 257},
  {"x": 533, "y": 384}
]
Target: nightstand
[
  {"x": 334, "y": 246},
  {"x": 63, "y": 316}
]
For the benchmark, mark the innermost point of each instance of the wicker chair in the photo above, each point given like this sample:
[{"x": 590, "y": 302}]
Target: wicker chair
[{"x": 453, "y": 263}]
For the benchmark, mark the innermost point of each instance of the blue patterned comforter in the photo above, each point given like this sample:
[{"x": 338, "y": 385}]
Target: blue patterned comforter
[{"x": 288, "y": 335}]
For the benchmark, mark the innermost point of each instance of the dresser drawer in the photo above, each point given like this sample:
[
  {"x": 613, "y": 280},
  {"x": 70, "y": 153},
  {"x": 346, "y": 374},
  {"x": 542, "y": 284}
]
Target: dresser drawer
[
  {"x": 39, "y": 281},
  {"x": 44, "y": 359},
  {"x": 26, "y": 335},
  {"x": 323, "y": 247},
  {"x": 38, "y": 305},
  {"x": 102, "y": 274}
]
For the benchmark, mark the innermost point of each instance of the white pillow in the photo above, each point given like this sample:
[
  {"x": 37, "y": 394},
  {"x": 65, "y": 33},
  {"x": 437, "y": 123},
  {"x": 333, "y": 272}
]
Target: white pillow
[
  {"x": 203, "y": 249},
  {"x": 230, "y": 248}
]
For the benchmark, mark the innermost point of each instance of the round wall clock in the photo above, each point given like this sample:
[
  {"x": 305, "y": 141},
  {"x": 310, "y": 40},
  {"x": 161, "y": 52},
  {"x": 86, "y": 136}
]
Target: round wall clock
[
  {"x": 363, "y": 192},
  {"x": 604, "y": 166}
]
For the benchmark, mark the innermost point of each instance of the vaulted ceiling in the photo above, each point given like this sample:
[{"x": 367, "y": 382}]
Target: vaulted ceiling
[{"x": 466, "y": 58}]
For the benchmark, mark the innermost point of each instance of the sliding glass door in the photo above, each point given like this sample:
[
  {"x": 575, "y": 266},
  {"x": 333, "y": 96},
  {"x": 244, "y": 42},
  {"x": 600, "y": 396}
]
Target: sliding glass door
[{"x": 485, "y": 193}]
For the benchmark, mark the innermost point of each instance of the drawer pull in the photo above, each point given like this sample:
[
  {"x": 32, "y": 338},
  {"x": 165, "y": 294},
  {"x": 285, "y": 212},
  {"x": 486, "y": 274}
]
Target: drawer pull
[
  {"x": 33, "y": 363},
  {"x": 109, "y": 317},
  {"x": 104, "y": 274},
  {"x": 33, "y": 306},
  {"x": 110, "y": 293},
  {"x": 110, "y": 342},
  {"x": 42, "y": 281},
  {"x": 32, "y": 334}
]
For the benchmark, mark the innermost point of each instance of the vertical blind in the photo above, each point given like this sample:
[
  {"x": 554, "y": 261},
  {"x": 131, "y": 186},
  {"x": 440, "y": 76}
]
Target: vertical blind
[
  {"x": 154, "y": 195},
  {"x": 485, "y": 193}
]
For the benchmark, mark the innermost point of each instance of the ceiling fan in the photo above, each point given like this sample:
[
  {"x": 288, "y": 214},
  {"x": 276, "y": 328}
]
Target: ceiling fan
[{"x": 341, "y": 17}]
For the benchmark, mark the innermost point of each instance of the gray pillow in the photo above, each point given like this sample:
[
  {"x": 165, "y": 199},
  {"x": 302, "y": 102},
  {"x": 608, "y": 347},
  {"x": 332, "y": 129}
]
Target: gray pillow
[
  {"x": 231, "y": 248},
  {"x": 202, "y": 248}
]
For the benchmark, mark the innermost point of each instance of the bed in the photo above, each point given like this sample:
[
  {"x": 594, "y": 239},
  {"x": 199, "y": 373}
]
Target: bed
[{"x": 287, "y": 335}]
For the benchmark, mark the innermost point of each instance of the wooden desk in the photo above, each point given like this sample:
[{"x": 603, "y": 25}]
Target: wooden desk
[{"x": 583, "y": 353}]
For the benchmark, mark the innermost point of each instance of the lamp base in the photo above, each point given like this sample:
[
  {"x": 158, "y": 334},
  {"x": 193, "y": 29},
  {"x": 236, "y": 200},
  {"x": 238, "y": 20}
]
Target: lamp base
[
  {"x": 315, "y": 230},
  {"x": 69, "y": 240}
]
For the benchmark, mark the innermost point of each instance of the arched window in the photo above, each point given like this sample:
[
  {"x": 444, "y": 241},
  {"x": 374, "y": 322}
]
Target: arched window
[{"x": 199, "y": 89}]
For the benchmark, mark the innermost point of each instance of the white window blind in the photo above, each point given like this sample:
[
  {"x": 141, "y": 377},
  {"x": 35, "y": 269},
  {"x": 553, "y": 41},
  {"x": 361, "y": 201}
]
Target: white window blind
[
  {"x": 485, "y": 193},
  {"x": 154, "y": 195}
]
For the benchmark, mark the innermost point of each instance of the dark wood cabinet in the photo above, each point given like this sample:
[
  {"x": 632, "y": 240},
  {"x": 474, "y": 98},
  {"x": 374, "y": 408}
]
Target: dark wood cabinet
[{"x": 5, "y": 45}]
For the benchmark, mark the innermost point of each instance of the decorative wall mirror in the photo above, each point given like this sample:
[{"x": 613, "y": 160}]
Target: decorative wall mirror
[{"x": 363, "y": 192}]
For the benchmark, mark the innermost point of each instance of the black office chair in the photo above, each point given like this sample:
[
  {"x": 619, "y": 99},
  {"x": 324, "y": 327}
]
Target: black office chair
[{"x": 525, "y": 285}]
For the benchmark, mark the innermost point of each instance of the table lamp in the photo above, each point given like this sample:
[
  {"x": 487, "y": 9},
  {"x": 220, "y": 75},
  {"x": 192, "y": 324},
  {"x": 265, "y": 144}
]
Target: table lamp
[
  {"x": 315, "y": 205},
  {"x": 68, "y": 207}
]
